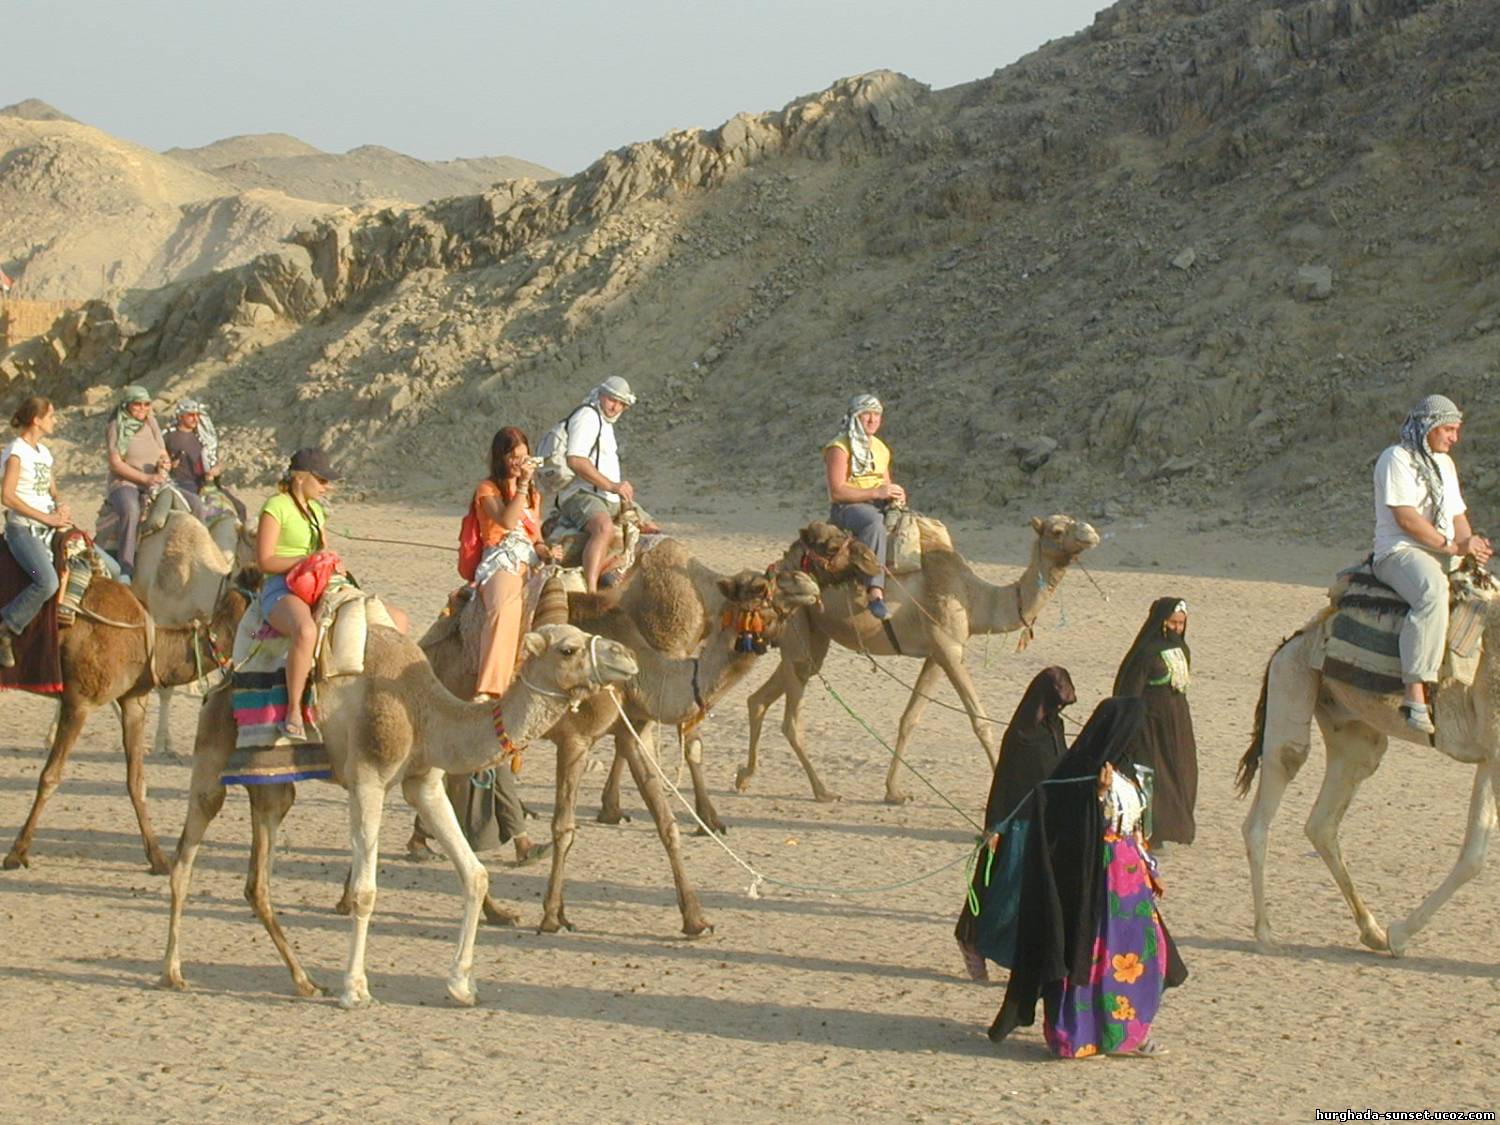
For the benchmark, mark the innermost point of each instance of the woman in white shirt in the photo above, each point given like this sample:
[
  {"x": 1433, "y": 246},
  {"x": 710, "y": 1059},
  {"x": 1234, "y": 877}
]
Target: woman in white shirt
[
  {"x": 28, "y": 491},
  {"x": 1421, "y": 531}
]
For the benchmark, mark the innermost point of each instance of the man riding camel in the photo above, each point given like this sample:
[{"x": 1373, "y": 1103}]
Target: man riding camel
[
  {"x": 592, "y": 499},
  {"x": 1421, "y": 532}
]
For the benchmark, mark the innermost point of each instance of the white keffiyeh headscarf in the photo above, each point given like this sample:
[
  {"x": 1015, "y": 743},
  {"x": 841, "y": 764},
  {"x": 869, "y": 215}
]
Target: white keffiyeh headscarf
[
  {"x": 861, "y": 455},
  {"x": 1427, "y": 415}
]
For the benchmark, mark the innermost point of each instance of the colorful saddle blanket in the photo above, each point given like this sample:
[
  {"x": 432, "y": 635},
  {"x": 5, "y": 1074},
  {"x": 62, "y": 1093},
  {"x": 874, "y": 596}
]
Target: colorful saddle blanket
[{"x": 1361, "y": 644}]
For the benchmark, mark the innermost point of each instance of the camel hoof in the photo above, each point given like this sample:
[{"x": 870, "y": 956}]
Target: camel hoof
[
  {"x": 826, "y": 797},
  {"x": 1395, "y": 940},
  {"x": 463, "y": 992},
  {"x": 344, "y": 906},
  {"x": 718, "y": 827},
  {"x": 356, "y": 998},
  {"x": 17, "y": 859},
  {"x": 612, "y": 816},
  {"x": 495, "y": 916},
  {"x": 897, "y": 798},
  {"x": 171, "y": 981},
  {"x": 698, "y": 928},
  {"x": 160, "y": 866},
  {"x": 554, "y": 925},
  {"x": 1266, "y": 940},
  {"x": 418, "y": 852},
  {"x": 742, "y": 779}
]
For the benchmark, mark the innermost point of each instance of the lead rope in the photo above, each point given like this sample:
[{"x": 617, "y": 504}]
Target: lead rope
[{"x": 758, "y": 878}]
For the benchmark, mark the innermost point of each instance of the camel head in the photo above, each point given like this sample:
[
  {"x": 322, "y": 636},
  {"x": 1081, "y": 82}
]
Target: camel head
[
  {"x": 563, "y": 658},
  {"x": 1062, "y": 538},
  {"x": 833, "y": 554},
  {"x": 767, "y": 600}
]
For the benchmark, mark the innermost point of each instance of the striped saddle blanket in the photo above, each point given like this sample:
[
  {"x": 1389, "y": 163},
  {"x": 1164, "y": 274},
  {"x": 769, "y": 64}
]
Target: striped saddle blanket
[
  {"x": 262, "y": 755},
  {"x": 1361, "y": 645}
]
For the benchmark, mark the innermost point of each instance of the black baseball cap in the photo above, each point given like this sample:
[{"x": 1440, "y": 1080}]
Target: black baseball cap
[{"x": 314, "y": 461}]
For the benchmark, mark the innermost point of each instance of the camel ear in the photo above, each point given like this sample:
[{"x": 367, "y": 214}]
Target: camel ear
[
  {"x": 534, "y": 644},
  {"x": 1037, "y": 525}
]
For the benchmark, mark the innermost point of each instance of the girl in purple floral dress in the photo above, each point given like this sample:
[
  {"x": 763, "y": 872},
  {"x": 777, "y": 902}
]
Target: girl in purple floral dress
[{"x": 1091, "y": 944}]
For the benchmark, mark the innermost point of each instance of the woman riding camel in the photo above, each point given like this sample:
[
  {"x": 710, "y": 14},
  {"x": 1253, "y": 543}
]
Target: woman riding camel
[
  {"x": 293, "y": 527},
  {"x": 33, "y": 511},
  {"x": 858, "y": 467},
  {"x": 138, "y": 463},
  {"x": 509, "y": 508}
]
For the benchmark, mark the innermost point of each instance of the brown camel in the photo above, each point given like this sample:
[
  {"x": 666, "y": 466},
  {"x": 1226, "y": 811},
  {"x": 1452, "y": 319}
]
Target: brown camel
[
  {"x": 665, "y": 690},
  {"x": 113, "y": 653},
  {"x": 933, "y": 614},
  {"x": 394, "y": 723},
  {"x": 675, "y": 601}
]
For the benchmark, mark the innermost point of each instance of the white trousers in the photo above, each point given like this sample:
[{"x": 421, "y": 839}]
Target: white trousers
[{"x": 1421, "y": 578}]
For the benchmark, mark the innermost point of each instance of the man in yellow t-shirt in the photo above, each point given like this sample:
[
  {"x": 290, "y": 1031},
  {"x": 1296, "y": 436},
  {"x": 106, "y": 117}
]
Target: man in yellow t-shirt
[{"x": 858, "y": 468}]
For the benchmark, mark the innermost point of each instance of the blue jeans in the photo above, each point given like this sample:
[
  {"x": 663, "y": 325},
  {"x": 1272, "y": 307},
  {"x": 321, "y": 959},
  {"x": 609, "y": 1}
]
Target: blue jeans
[
  {"x": 34, "y": 556},
  {"x": 866, "y": 522}
]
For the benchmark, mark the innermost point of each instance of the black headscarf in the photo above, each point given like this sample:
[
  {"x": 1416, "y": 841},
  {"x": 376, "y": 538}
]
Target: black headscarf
[
  {"x": 1063, "y": 886},
  {"x": 1032, "y": 744},
  {"x": 1140, "y": 662}
]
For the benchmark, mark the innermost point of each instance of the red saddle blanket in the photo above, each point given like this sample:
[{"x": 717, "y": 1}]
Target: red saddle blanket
[{"x": 38, "y": 652}]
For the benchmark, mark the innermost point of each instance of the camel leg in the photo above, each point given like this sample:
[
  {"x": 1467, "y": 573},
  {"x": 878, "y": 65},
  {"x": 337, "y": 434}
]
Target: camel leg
[
  {"x": 571, "y": 755},
  {"x": 609, "y": 801},
  {"x": 703, "y": 804},
  {"x": 133, "y": 726},
  {"x": 70, "y": 719},
  {"x": 803, "y": 653},
  {"x": 1484, "y": 804},
  {"x": 647, "y": 781},
  {"x": 427, "y": 795},
  {"x": 1278, "y": 767},
  {"x": 927, "y": 679},
  {"x": 366, "y": 796},
  {"x": 163, "y": 744},
  {"x": 205, "y": 799},
  {"x": 269, "y": 804},
  {"x": 1354, "y": 753}
]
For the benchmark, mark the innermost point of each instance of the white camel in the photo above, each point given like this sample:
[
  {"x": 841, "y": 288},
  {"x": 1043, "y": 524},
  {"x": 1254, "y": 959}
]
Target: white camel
[{"x": 1357, "y": 726}]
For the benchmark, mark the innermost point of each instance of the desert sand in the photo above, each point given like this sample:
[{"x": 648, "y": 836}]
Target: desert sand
[{"x": 813, "y": 1004}]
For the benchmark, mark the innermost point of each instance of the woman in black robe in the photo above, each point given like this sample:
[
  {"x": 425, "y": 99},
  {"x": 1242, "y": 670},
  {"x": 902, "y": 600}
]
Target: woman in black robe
[
  {"x": 1157, "y": 669},
  {"x": 1090, "y": 943},
  {"x": 1030, "y": 750}
]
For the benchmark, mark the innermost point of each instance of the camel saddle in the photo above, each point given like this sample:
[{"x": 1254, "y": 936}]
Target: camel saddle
[{"x": 1361, "y": 645}]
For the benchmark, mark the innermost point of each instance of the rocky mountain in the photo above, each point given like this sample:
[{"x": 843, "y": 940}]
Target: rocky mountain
[
  {"x": 1202, "y": 253},
  {"x": 368, "y": 174},
  {"x": 84, "y": 214}
]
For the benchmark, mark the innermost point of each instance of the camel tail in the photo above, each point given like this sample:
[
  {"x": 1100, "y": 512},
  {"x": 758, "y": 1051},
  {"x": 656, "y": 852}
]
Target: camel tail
[
  {"x": 1244, "y": 777},
  {"x": 1249, "y": 766}
]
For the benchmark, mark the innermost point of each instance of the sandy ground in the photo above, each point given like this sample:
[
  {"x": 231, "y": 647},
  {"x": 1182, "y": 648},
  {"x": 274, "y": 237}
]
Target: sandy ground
[{"x": 807, "y": 1004}]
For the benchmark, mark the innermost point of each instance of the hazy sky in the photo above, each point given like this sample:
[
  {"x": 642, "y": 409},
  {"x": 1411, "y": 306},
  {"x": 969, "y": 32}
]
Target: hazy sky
[{"x": 552, "y": 81}]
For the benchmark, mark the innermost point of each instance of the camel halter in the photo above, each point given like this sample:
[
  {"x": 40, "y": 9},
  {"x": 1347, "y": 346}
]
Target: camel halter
[{"x": 595, "y": 682}]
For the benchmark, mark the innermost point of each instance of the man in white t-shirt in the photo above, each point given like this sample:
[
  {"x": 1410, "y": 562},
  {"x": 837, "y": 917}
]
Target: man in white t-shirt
[
  {"x": 1421, "y": 531},
  {"x": 592, "y": 499}
]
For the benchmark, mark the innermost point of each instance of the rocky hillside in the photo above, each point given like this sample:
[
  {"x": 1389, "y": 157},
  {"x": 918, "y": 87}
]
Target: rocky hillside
[{"x": 1202, "y": 253}]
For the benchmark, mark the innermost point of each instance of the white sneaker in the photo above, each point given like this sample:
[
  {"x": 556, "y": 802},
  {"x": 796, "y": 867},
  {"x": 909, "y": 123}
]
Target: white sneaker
[{"x": 1419, "y": 717}]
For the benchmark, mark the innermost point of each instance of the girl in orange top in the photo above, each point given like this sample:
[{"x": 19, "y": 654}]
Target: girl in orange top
[{"x": 510, "y": 523}]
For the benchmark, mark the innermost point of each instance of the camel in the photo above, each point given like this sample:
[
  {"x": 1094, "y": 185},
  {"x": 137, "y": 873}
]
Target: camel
[
  {"x": 665, "y": 690},
  {"x": 675, "y": 601},
  {"x": 181, "y": 569},
  {"x": 394, "y": 723},
  {"x": 933, "y": 614},
  {"x": 1357, "y": 727},
  {"x": 113, "y": 653}
]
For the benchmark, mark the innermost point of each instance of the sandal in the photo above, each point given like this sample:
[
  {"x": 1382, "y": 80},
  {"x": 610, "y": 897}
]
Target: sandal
[
  {"x": 1150, "y": 1049},
  {"x": 535, "y": 854},
  {"x": 291, "y": 730}
]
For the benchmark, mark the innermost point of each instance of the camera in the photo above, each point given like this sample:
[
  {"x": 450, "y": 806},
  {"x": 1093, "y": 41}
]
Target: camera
[{"x": 533, "y": 463}]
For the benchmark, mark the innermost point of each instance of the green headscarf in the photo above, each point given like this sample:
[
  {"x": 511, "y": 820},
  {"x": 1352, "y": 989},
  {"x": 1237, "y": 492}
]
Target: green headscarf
[{"x": 126, "y": 427}]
